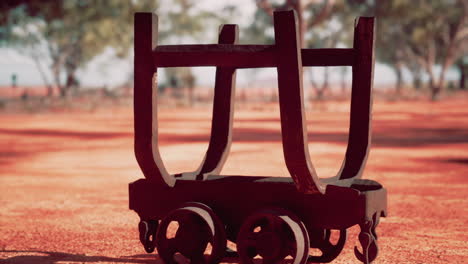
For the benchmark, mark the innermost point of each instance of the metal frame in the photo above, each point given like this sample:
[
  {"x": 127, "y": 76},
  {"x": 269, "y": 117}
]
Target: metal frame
[
  {"x": 287, "y": 56},
  {"x": 234, "y": 205}
]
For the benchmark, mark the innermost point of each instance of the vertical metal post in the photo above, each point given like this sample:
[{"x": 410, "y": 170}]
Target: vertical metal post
[
  {"x": 361, "y": 100},
  {"x": 223, "y": 110},
  {"x": 145, "y": 98},
  {"x": 293, "y": 125}
]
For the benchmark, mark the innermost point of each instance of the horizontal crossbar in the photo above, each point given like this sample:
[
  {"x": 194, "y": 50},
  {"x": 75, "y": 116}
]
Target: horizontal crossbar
[{"x": 243, "y": 56}]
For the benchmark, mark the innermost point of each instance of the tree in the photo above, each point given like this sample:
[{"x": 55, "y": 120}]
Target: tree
[
  {"x": 70, "y": 33},
  {"x": 321, "y": 24},
  {"x": 329, "y": 34},
  {"x": 12, "y": 18},
  {"x": 179, "y": 24},
  {"x": 462, "y": 65},
  {"x": 389, "y": 34},
  {"x": 421, "y": 34},
  {"x": 438, "y": 34},
  {"x": 317, "y": 16}
]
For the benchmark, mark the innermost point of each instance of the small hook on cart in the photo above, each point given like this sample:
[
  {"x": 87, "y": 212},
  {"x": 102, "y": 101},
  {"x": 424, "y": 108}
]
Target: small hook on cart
[{"x": 148, "y": 234}]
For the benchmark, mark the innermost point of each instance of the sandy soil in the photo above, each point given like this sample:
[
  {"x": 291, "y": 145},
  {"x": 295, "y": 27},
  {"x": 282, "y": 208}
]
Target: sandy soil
[{"x": 64, "y": 176}]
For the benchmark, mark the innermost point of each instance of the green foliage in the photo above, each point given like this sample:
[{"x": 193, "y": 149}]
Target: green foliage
[
  {"x": 260, "y": 31},
  {"x": 70, "y": 33},
  {"x": 84, "y": 24},
  {"x": 335, "y": 30},
  {"x": 73, "y": 32},
  {"x": 420, "y": 34},
  {"x": 183, "y": 23}
]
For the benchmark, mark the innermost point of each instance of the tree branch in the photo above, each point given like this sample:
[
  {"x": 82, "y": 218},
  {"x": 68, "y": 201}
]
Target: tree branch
[
  {"x": 266, "y": 6},
  {"x": 324, "y": 13}
]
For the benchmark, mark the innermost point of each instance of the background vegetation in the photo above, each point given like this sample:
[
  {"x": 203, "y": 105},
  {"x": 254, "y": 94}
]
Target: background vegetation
[{"x": 425, "y": 38}]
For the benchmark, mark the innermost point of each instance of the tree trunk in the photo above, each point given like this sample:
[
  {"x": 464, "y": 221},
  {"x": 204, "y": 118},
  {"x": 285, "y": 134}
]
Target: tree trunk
[
  {"x": 398, "y": 67},
  {"x": 49, "y": 87},
  {"x": 72, "y": 83},
  {"x": 417, "y": 80},
  {"x": 399, "y": 78},
  {"x": 311, "y": 78},
  {"x": 325, "y": 85},
  {"x": 189, "y": 81},
  {"x": 320, "y": 94},
  {"x": 191, "y": 95},
  {"x": 343, "y": 72},
  {"x": 58, "y": 61},
  {"x": 416, "y": 73},
  {"x": 322, "y": 89},
  {"x": 462, "y": 81},
  {"x": 63, "y": 92},
  {"x": 56, "y": 76},
  {"x": 313, "y": 85},
  {"x": 436, "y": 91}
]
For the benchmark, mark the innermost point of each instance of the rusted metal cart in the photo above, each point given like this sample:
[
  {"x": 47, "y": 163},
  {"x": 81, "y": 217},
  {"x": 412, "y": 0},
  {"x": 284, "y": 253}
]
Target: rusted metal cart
[{"x": 270, "y": 217}]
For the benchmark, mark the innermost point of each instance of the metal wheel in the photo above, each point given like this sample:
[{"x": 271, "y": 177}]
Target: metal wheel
[
  {"x": 329, "y": 251},
  {"x": 197, "y": 226},
  {"x": 273, "y": 234}
]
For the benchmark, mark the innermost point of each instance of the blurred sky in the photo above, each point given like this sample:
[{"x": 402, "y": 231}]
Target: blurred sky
[{"x": 105, "y": 70}]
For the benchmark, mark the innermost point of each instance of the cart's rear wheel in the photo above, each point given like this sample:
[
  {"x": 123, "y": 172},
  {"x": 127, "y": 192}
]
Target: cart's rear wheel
[
  {"x": 198, "y": 225},
  {"x": 273, "y": 234}
]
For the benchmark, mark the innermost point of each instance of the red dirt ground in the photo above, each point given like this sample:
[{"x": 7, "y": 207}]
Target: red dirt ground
[{"x": 64, "y": 177}]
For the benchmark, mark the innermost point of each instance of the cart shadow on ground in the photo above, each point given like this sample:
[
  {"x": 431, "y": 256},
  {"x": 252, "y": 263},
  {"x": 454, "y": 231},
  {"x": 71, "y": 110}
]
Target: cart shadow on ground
[{"x": 49, "y": 257}]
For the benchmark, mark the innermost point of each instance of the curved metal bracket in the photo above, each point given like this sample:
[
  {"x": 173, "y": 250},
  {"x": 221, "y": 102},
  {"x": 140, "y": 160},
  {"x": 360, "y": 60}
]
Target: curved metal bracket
[
  {"x": 145, "y": 97},
  {"x": 293, "y": 125},
  {"x": 223, "y": 112},
  {"x": 359, "y": 139}
]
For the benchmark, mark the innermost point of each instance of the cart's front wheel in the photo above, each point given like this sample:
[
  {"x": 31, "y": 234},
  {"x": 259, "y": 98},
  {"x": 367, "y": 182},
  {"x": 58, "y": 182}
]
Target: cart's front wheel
[
  {"x": 329, "y": 251},
  {"x": 197, "y": 225},
  {"x": 273, "y": 234}
]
